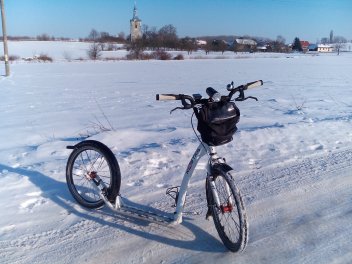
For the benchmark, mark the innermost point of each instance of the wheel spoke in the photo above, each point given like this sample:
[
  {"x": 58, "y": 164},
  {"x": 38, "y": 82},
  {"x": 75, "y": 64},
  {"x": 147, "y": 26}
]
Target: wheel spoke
[
  {"x": 227, "y": 217},
  {"x": 87, "y": 161}
]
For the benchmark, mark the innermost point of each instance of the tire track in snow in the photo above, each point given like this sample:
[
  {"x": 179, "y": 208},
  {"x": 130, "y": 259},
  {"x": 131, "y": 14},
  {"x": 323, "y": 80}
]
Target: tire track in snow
[
  {"x": 60, "y": 243},
  {"x": 292, "y": 174}
]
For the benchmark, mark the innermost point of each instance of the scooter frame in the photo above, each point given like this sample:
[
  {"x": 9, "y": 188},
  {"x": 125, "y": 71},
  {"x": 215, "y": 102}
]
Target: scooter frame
[{"x": 122, "y": 207}]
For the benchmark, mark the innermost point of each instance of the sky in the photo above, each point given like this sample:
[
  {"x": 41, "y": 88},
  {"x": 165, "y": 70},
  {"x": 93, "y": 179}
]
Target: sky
[{"x": 307, "y": 19}]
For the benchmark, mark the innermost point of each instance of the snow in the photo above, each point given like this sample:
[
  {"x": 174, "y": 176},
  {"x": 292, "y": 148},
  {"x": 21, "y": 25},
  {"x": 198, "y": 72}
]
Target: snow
[{"x": 292, "y": 156}]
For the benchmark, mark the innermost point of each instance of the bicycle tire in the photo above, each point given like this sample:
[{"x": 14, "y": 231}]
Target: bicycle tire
[
  {"x": 88, "y": 156},
  {"x": 230, "y": 218}
]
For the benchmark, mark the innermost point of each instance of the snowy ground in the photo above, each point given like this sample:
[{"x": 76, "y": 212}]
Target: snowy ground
[{"x": 292, "y": 155}]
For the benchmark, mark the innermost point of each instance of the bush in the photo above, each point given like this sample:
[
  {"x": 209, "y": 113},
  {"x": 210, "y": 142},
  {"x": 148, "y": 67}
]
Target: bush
[
  {"x": 43, "y": 37},
  {"x": 179, "y": 57},
  {"x": 94, "y": 51},
  {"x": 11, "y": 58},
  {"x": 138, "y": 55},
  {"x": 44, "y": 58},
  {"x": 161, "y": 55}
]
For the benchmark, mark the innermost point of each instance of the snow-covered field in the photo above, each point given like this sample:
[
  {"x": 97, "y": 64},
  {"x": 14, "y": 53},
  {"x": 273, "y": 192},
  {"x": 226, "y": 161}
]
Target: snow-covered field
[
  {"x": 61, "y": 51},
  {"x": 292, "y": 154}
]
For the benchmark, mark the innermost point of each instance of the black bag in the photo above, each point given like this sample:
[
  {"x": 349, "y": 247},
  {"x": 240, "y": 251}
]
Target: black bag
[{"x": 217, "y": 122}]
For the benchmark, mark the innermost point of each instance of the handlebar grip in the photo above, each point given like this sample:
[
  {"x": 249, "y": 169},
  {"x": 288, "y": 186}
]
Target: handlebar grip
[
  {"x": 165, "y": 97},
  {"x": 254, "y": 84}
]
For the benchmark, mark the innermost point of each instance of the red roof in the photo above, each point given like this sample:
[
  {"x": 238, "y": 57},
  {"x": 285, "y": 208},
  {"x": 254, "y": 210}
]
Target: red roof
[{"x": 304, "y": 44}]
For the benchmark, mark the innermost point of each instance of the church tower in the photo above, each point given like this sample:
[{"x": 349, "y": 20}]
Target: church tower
[{"x": 135, "y": 25}]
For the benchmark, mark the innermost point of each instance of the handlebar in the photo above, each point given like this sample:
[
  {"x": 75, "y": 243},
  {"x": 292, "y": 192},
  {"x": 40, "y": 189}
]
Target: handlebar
[
  {"x": 165, "y": 97},
  {"x": 189, "y": 101},
  {"x": 213, "y": 94}
]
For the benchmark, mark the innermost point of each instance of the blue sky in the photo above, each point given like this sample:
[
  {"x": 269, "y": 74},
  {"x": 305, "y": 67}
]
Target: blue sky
[{"x": 308, "y": 19}]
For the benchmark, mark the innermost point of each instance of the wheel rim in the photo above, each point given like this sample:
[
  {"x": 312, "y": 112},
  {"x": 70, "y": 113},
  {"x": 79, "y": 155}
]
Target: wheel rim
[
  {"x": 227, "y": 213},
  {"x": 87, "y": 165}
]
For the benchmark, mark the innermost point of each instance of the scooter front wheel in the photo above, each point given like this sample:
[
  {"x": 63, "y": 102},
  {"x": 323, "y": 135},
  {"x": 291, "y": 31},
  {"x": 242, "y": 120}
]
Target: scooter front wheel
[
  {"x": 88, "y": 160},
  {"x": 227, "y": 209}
]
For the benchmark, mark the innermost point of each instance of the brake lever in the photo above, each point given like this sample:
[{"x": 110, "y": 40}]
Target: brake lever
[
  {"x": 240, "y": 99},
  {"x": 177, "y": 108},
  {"x": 251, "y": 97}
]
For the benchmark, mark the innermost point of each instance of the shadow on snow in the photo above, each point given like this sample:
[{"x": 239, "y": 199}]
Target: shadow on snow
[{"x": 58, "y": 193}]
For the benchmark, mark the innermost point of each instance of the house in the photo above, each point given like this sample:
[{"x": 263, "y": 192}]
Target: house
[
  {"x": 304, "y": 45},
  {"x": 313, "y": 47},
  {"x": 262, "y": 49},
  {"x": 201, "y": 42},
  {"x": 324, "y": 48},
  {"x": 242, "y": 44}
]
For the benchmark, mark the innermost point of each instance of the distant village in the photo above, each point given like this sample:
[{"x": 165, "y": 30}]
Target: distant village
[
  {"x": 142, "y": 38},
  {"x": 246, "y": 44}
]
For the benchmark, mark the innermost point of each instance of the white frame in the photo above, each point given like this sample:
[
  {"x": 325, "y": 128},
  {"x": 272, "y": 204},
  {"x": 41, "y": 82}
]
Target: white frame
[{"x": 201, "y": 151}]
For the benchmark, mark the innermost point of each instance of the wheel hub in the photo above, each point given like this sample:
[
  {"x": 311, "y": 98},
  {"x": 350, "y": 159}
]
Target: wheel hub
[
  {"x": 92, "y": 175},
  {"x": 226, "y": 208}
]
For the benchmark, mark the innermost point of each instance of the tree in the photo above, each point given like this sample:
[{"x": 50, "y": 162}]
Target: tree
[
  {"x": 339, "y": 43},
  {"x": 208, "y": 47},
  {"x": 43, "y": 37},
  {"x": 150, "y": 37},
  {"x": 219, "y": 45},
  {"x": 297, "y": 45},
  {"x": 94, "y": 51},
  {"x": 136, "y": 49},
  {"x": 188, "y": 44},
  {"x": 168, "y": 36},
  {"x": 278, "y": 45},
  {"x": 340, "y": 39},
  {"x": 93, "y": 35}
]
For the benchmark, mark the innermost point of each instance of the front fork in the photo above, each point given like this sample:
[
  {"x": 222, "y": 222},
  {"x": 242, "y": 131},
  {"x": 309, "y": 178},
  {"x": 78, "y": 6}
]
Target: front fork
[
  {"x": 213, "y": 190},
  {"x": 227, "y": 205},
  {"x": 101, "y": 187}
]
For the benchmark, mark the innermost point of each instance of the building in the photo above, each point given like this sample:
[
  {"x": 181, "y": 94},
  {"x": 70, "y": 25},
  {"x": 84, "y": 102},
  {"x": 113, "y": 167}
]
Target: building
[
  {"x": 313, "y": 47},
  {"x": 304, "y": 45},
  {"x": 244, "y": 45},
  {"x": 135, "y": 26},
  {"x": 324, "y": 48}
]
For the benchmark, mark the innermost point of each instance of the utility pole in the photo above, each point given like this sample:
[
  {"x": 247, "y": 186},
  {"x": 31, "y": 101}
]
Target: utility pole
[{"x": 4, "y": 37}]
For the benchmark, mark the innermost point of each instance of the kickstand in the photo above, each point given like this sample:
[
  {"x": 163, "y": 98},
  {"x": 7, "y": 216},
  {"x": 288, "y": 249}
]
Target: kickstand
[{"x": 173, "y": 193}]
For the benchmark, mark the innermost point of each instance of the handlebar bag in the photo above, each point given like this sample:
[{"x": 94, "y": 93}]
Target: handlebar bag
[{"x": 217, "y": 122}]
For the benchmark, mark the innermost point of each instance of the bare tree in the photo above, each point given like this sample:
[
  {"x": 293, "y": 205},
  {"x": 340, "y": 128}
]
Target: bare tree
[
  {"x": 168, "y": 36},
  {"x": 188, "y": 44},
  {"x": 136, "y": 50},
  {"x": 339, "y": 43},
  {"x": 94, "y": 35},
  {"x": 43, "y": 37},
  {"x": 94, "y": 51},
  {"x": 208, "y": 47}
]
